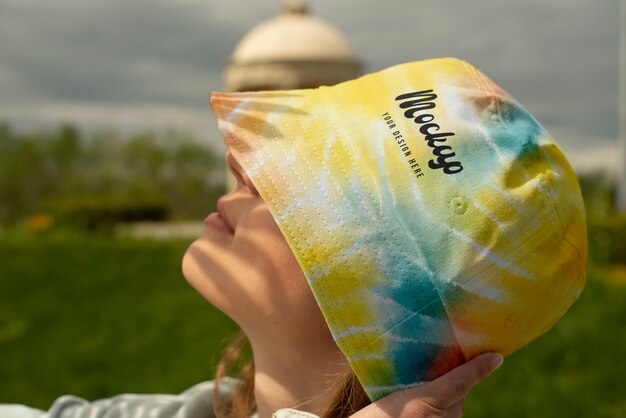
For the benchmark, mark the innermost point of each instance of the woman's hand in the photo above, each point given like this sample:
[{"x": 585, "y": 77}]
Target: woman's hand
[{"x": 443, "y": 397}]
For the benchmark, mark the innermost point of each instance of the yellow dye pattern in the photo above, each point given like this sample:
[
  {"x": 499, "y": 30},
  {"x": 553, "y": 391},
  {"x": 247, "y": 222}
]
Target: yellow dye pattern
[{"x": 416, "y": 266}]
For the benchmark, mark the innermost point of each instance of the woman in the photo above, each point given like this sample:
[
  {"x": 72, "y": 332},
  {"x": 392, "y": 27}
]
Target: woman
[
  {"x": 384, "y": 232},
  {"x": 243, "y": 266},
  {"x": 421, "y": 209}
]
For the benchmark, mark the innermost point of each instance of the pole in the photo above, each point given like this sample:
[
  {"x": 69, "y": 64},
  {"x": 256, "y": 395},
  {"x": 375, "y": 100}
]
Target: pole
[{"x": 621, "y": 169}]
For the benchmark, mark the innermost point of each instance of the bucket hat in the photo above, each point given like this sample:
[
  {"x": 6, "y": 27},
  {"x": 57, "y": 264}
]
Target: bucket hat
[{"x": 432, "y": 215}]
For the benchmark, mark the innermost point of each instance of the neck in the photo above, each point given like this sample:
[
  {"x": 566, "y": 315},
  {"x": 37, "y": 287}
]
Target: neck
[{"x": 295, "y": 377}]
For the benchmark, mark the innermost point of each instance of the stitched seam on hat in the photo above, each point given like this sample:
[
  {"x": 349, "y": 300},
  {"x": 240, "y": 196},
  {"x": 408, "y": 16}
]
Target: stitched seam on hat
[
  {"x": 481, "y": 83},
  {"x": 335, "y": 183},
  {"x": 268, "y": 180},
  {"x": 560, "y": 216},
  {"x": 508, "y": 254},
  {"x": 313, "y": 176},
  {"x": 502, "y": 110},
  {"x": 300, "y": 253},
  {"x": 479, "y": 79},
  {"x": 562, "y": 223},
  {"x": 578, "y": 252},
  {"x": 387, "y": 331},
  {"x": 371, "y": 196},
  {"x": 549, "y": 197},
  {"x": 364, "y": 366},
  {"x": 398, "y": 223}
]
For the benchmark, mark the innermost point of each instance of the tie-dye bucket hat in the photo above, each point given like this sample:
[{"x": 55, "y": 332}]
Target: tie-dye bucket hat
[{"x": 433, "y": 217}]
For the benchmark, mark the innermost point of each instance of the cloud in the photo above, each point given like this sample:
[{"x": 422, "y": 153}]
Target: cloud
[
  {"x": 92, "y": 50},
  {"x": 148, "y": 63}
]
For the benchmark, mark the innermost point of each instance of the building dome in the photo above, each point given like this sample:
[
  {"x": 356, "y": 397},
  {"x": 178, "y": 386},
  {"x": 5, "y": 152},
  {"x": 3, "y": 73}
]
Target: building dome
[{"x": 292, "y": 50}]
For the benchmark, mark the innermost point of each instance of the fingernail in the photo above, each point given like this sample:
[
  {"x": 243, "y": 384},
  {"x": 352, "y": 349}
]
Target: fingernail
[{"x": 496, "y": 360}]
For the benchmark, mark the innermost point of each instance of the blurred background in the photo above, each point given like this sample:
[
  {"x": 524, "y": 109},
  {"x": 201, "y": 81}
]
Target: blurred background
[{"x": 110, "y": 159}]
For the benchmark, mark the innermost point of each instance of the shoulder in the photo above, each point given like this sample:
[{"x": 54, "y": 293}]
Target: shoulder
[
  {"x": 195, "y": 402},
  {"x": 20, "y": 411}
]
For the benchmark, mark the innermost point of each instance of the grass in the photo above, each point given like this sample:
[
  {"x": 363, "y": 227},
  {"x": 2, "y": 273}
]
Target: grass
[
  {"x": 95, "y": 317},
  {"x": 575, "y": 370}
]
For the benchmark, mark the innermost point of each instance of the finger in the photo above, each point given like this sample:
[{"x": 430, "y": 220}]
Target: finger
[
  {"x": 438, "y": 395},
  {"x": 453, "y": 386}
]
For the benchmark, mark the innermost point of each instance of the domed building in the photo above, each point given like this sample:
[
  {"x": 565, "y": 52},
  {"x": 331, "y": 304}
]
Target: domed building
[{"x": 292, "y": 50}]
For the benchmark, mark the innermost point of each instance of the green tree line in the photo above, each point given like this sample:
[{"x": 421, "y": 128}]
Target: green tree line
[
  {"x": 93, "y": 181},
  {"x": 66, "y": 173}
]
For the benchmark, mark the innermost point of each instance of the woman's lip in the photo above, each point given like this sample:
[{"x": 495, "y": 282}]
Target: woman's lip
[
  {"x": 215, "y": 220},
  {"x": 222, "y": 213}
]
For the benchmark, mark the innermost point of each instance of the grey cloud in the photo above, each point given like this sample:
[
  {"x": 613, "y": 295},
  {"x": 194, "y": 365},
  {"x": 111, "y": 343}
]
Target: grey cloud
[
  {"x": 87, "y": 51},
  {"x": 558, "y": 58}
]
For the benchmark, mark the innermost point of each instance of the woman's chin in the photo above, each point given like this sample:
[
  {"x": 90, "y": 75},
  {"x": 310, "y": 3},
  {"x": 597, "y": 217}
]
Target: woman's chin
[
  {"x": 188, "y": 264},
  {"x": 200, "y": 274},
  {"x": 193, "y": 270}
]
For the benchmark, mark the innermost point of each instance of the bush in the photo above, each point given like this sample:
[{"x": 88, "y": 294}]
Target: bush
[
  {"x": 607, "y": 239},
  {"x": 102, "y": 213},
  {"x": 598, "y": 189},
  {"x": 40, "y": 167}
]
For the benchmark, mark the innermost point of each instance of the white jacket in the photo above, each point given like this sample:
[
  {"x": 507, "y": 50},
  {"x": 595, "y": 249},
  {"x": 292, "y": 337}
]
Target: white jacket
[{"x": 195, "y": 402}]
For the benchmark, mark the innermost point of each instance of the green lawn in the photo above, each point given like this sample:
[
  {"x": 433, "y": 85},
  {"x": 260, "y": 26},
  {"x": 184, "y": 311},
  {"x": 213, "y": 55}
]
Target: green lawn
[
  {"x": 95, "y": 317},
  {"x": 577, "y": 369}
]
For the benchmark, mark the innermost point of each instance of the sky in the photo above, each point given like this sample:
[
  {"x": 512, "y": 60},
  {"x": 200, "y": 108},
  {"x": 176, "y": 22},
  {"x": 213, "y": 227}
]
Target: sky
[{"x": 151, "y": 64}]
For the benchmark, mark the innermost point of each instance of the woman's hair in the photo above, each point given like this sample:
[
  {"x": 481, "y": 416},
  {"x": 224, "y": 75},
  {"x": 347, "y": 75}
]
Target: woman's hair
[
  {"x": 242, "y": 403},
  {"x": 347, "y": 395}
]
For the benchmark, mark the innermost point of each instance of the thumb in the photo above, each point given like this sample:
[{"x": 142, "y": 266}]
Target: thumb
[{"x": 453, "y": 386}]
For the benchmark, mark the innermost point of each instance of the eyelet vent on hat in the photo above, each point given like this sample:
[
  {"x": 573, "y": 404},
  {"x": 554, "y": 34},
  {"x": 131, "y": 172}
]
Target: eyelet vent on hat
[{"x": 458, "y": 205}]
